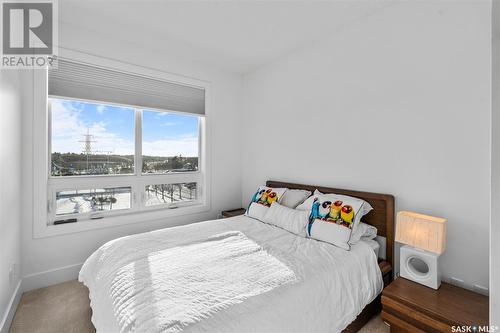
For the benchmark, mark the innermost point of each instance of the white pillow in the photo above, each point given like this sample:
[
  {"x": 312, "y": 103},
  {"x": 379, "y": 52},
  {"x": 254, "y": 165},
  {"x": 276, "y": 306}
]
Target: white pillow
[
  {"x": 369, "y": 232},
  {"x": 289, "y": 219},
  {"x": 330, "y": 233},
  {"x": 256, "y": 211},
  {"x": 334, "y": 217},
  {"x": 262, "y": 200},
  {"x": 293, "y": 198},
  {"x": 363, "y": 231},
  {"x": 306, "y": 205}
]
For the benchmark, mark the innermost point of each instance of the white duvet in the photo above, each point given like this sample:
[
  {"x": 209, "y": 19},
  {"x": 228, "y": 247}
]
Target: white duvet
[{"x": 230, "y": 275}]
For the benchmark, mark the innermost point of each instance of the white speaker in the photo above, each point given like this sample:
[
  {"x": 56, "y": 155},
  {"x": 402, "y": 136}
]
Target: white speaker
[{"x": 419, "y": 266}]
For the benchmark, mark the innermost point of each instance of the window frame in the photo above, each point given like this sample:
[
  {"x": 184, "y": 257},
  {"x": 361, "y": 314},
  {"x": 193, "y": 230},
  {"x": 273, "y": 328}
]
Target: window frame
[{"x": 45, "y": 185}]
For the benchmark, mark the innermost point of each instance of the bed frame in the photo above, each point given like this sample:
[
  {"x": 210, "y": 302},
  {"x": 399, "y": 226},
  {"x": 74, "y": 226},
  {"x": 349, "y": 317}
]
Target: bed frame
[{"x": 381, "y": 217}]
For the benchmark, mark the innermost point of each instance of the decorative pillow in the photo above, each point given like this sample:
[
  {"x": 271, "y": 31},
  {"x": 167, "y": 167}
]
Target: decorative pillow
[
  {"x": 334, "y": 217},
  {"x": 289, "y": 219},
  {"x": 262, "y": 200},
  {"x": 363, "y": 231},
  {"x": 307, "y": 205},
  {"x": 293, "y": 198}
]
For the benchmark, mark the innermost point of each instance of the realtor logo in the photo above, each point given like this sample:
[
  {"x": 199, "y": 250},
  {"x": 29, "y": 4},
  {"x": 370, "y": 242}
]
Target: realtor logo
[{"x": 28, "y": 29}]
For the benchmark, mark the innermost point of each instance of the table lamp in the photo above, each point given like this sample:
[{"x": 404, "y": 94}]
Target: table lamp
[{"x": 425, "y": 237}]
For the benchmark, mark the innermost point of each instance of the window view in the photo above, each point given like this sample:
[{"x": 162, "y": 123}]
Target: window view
[
  {"x": 169, "y": 142},
  {"x": 170, "y": 193},
  {"x": 92, "y": 200},
  {"x": 91, "y": 139},
  {"x": 98, "y": 141}
]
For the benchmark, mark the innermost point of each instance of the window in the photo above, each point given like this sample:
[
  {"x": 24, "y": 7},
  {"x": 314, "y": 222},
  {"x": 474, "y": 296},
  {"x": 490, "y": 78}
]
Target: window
[
  {"x": 95, "y": 142},
  {"x": 93, "y": 200},
  {"x": 170, "y": 193},
  {"x": 91, "y": 138},
  {"x": 121, "y": 147},
  {"x": 169, "y": 142}
]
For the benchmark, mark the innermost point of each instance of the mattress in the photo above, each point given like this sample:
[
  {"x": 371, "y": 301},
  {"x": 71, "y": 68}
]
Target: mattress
[{"x": 136, "y": 283}]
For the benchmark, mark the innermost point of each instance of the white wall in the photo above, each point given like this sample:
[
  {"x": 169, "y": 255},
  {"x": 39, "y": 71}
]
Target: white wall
[
  {"x": 44, "y": 254},
  {"x": 396, "y": 103},
  {"x": 495, "y": 171},
  {"x": 10, "y": 189}
]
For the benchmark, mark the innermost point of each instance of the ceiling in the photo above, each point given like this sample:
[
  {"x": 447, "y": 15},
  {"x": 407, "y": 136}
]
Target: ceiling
[{"x": 238, "y": 36}]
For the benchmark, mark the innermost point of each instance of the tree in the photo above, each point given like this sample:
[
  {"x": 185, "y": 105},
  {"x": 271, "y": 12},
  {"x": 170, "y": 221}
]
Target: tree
[
  {"x": 180, "y": 191},
  {"x": 101, "y": 201},
  {"x": 112, "y": 200},
  {"x": 170, "y": 189},
  {"x": 190, "y": 187}
]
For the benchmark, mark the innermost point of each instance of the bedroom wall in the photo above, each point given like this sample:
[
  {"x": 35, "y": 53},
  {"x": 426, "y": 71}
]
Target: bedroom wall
[
  {"x": 10, "y": 191},
  {"x": 395, "y": 103},
  {"x": 54, "y": 259}
]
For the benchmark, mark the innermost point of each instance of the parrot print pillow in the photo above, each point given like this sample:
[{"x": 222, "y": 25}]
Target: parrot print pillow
[
  {"x": 333, "y": 217},
  {"x": 266, "y": 195},
  {"x": 262, "y": 200}
]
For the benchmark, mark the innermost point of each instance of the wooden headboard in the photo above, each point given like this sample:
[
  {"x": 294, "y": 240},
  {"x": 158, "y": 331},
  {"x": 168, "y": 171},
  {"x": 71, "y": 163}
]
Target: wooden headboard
[{"x": 381, "y": 217}]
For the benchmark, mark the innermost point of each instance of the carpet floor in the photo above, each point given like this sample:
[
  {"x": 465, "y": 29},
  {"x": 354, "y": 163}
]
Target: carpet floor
[{"x": 65, "y": 308}]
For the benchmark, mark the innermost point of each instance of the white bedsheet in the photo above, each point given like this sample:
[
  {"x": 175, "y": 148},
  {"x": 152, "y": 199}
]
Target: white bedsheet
[
  {"x": 373, "y": 244},
  {"x": 318, "y": 286}
]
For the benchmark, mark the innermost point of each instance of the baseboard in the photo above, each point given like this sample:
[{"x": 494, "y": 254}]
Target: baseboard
[
  {"x": 35, "y": 281},
  {"x": 50, "y": 277},
  {"x": 11, "y": 309}
]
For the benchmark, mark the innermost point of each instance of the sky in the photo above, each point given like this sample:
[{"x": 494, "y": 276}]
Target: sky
[{"x": 164, "y": 134}]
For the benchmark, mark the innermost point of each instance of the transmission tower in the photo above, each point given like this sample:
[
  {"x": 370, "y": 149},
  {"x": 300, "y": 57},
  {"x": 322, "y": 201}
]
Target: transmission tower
[
  {"x": 88, "y": 140},
  {"x": 87, "y": 148}
]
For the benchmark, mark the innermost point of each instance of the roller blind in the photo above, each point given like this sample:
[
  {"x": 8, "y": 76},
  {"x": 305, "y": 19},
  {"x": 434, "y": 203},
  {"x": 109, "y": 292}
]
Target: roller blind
[{"x": 83, "y": 81}]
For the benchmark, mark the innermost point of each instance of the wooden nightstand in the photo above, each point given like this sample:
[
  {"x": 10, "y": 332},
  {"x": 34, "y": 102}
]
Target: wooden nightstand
[
  {"x": 411, "y": 307},
  {"x": 233, "y": 212}
]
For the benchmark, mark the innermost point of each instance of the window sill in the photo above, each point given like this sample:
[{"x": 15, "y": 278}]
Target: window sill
[{"x": 42, "y": 231}]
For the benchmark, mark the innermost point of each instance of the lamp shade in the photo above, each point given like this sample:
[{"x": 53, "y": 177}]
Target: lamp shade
[{"x": 421, "y": 231}]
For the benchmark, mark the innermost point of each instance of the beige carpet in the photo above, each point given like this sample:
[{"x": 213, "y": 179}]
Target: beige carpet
[
  {"x": 61, "y": 308},
  {"x": 65, "y": 308}
]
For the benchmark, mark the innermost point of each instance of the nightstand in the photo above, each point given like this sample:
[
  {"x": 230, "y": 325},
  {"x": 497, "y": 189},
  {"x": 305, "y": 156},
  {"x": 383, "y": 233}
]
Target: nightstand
[
  {"x": 411, "y": 307},
  {"x": 233, "y": 212}
]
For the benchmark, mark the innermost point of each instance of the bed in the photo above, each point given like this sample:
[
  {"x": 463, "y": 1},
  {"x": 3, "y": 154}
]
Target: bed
[{"x": 239, "y": 275}]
